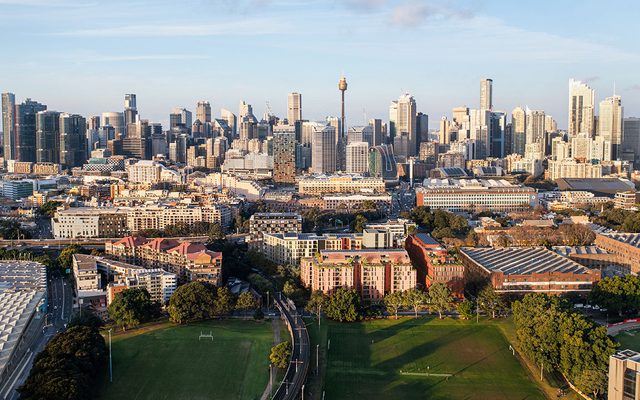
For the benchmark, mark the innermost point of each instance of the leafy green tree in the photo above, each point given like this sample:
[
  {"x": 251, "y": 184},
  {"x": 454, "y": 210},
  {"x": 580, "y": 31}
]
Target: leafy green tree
[
  {"x": 65, "y": 259},
  {"x": 224, "y": 302},
  {"x": 246, "y": 301},
  {"x": 620, "y": 295},
  {"x": 85, "y": 317},
  {"x": 440, "y": 298},
  {"x": 393, "y": 302},
  {"x": 193, "y": 301},
  {"x": 592, "y": 381},
  {"x": 131, "y": 307},
  {"x": 359, "y": 223},
  {"x": 11, "y": 230},
  {"x": 289, "y": 289},
  {"x": 280, "y": 355},
  {"x": 415, "y": 299},
  {"x": 49, "y": 208},
  {"x": 465, "y": 309},
  {"x": 490, "y": 301},
  {"x": 344, "y": 305},
  {"x": 216, "y": 232},
  {"x": 317, "y": 301}
]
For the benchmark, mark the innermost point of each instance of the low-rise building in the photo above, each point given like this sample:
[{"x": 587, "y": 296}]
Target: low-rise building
[
  {"x": 261, "y": 223},
  {"x": 323, "y": 184},
  {"x": 526, "y": 270},
  {"x": 475, "y": 195},
  {"x": 373, "y": 273},
  {"x": 90, "y": 222},
  {"x": 627, "y": 200},
  {"x": 626, "y": 247},
  {"x": 624, "y": 375}
]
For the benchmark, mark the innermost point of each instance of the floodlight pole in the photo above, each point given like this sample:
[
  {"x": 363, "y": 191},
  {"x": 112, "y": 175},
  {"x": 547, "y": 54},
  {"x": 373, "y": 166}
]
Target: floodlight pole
[{"x": 110, "y": 359}]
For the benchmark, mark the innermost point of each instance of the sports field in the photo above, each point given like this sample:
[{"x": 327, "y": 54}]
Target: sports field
[
  {"x": 419, "y": 359},
  {"x": 171, "y": 363},
  {"x": 629, "y": 339}
]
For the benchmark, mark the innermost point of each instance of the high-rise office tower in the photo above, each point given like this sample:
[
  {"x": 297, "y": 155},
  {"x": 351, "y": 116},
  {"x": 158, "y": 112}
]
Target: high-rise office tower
[
  {"x": 550, "y": 124},
  {"x": 630, "y": 149},
  {"x": 116, "y": 120},
  {"x": 340, "y": 142},
  {"x": 581, "y": 108},
  {"x": 360, "y": 134},
  {"x": 497, "y": 126},
  {"x": 610, "y": 123},
  {"x": 130, "y": 109},
  {"x": 479, "y": 124},
  {"x": 323, "y": 149},
  {"x": 379, "y": 131},
  {"x": 284, "y": 154},
  {"x": 402, "y": 119},
  {"x": 422, "y": 130},
  {"x": 357, "y": 157},
  {"x": 72, "y": 140},
  {"x": 231, "y": 121},
  {"x": 48, "y": 137},
  {"x": 535, "y": 128},
  {"x": 8, "y": 125},
  {"x": 294, "y": 108},
  {"x": 93, "y": 122},
  {"x": 518, "y": 130},
  {"x": 486, "y": 94},
  {"x": 443, "y": 133},
  {"x": 25, "y": 130},
  {"x": 180, "y": 117},
  {"x": 460, "y": 115},
  {"x": 246, "y": 110},
  {"x": 203, "y": 111}
]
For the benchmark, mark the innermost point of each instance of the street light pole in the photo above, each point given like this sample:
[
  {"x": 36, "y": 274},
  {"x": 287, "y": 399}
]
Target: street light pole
[{"x": 110, "y": 362}]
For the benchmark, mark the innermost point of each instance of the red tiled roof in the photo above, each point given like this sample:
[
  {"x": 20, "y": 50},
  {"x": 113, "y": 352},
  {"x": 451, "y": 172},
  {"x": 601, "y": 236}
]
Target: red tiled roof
[
  {"x": 162, "y": 244},
  {"x": 185, "y": 248},
  {"x": 208, "y": 256},
  {"x": 131, "y": 241}
]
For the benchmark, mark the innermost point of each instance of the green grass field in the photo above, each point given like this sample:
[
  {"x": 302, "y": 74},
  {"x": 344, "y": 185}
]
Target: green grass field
[
  {"x": 629, "y": 340},
  {"x": 418, "y": 359},
  {"x": 170, "y": 363}
]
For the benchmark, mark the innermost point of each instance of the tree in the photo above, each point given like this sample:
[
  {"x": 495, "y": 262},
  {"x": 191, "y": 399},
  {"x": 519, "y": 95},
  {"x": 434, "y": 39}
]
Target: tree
[
  {"x": 465, "y": 309},
  {"x": 65, "y": 259},
  {"x": 49, "y": 208},
  {"x": 393, "y": 302},
  {"x": 489, "y": 301},
  {"x": 11, "y": 230},
  {"x": 85, "y": 318},
  {"x": 317, "y": 301},
  {"x": 359, "y": 223},
  {"x": 192, "y": 302},
  {"x": 344, "y": 305},
  {"x": 131, "y": 307},
  {"x": 246, "y": 301},
  {"x": 216, "y": 232},
  {"x": 280, "y": 355},
  {"x": 415, "y": 299},
  {"x": 224, "y": 303},
  {"x": 620, "y": 295},
  {"x": 577, "y": 234},
  {"x": 592, "y": 381},
  {"x": 440, "y": 298}
]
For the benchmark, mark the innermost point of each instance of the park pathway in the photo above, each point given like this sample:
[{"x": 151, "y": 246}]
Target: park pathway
[{"x": 275, "y": 327}]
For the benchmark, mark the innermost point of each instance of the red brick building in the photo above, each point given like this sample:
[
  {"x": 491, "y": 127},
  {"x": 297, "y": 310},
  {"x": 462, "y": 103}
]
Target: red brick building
[{"x": 434, "y": 264}]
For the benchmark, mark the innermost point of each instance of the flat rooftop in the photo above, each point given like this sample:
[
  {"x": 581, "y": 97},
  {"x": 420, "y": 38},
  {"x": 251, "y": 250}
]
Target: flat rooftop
[
  {"x": 522, "y": 260},
  {"x": 604, "y": 186}
]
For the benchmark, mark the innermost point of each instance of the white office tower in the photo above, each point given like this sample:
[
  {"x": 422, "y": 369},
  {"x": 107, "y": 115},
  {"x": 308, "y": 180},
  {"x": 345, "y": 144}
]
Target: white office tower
[
  {"x": 601, "y": 149},
  {"x": 357, "y": 157},
  {"x": 402, "y": 122},
  {"x": 479, "y": 132},
  {"x": 294, "y": 108},
  {"x": 231, "y": 120},
  {"x": 610, "y": 123},
  {"x": 581, "y": 108},
  {"x": 486, "y": 94},
  {"x": 323, "y": 149},
  {"x": 246, "y": 110},
  {"x": 361, "y": 134},
  {"x": 535, "y": 127}
]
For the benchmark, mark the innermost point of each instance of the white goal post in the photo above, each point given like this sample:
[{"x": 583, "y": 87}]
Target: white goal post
[{"x": 205, "y": 336}]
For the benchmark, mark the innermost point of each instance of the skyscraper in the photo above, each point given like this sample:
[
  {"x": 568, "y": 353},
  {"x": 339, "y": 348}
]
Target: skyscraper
[
  {"x": 130, "y": 109},
  {"x": 294, "y": 108},
  {"x": 25, "y": 130},
  {"x": 535, "y": 128},
  {"x": 114, "y": 119},
  {"x": 486, "y": 94},
  {"x": 379, "y": 131},
  {"x": 231, "y": 121},
  {"x": 422, "y": 130},
  {"x": 284, "y": 155},
  {"x": 48, "y": 137},
  {"x": 203, "y": 111},
  {"x": 610, "y": 123},
  {"x": 357, "y": 157},
  {"x": 72, "y": 140},
  {"x": 180, "y": 117},
  {"x": 8, "y": 125},
  {"x": 323, "y": 149},
  {"x": 630, "y": 149},
  {"x": 402, "y": 116},
  {"x": 518, "y": 130},
  {"x": 581, "y": 108}
]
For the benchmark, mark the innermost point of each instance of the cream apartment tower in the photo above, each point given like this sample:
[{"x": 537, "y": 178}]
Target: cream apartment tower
[
  {"x": 294, "y": 108},
  {"x": 610, "y": 123},
  {"x": 581, "y": 108}
]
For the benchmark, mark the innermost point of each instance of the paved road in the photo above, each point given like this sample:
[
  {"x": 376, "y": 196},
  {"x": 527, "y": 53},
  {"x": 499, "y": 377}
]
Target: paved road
[{"x": 60, "y": 307}]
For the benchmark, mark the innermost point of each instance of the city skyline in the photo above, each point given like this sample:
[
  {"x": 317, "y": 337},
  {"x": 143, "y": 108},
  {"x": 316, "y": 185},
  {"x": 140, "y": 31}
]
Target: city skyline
[{"x": 174, "y": 59}]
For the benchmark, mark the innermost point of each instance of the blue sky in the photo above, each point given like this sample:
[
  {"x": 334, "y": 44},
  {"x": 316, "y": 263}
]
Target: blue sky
[{"x": 83, "y": 55}]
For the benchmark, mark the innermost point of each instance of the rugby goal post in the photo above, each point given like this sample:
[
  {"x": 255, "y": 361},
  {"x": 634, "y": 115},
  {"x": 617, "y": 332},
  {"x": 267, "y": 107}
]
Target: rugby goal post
[{"x": 206, "y": 336}]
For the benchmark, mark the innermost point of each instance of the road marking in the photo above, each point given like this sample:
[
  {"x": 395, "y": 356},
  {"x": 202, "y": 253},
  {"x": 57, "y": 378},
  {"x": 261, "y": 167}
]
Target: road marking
[{"x": 63, "y": 302}]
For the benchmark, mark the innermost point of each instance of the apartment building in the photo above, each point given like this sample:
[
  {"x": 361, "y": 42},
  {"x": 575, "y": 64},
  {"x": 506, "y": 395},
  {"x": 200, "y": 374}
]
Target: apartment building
[
  {"x": 261, "y": 223},
  {"x": 373, "y": 273},
  {"x": 90, "y": 222},
  {"x": 624, "y": 373}
]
